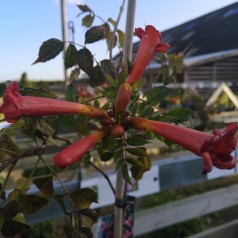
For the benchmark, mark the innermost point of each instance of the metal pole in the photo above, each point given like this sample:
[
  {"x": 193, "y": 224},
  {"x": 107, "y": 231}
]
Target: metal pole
[{"x": 63, "y": 24}]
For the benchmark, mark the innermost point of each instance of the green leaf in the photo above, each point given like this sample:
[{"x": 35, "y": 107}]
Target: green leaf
[
  {"x": 111, "y": 21},
  {"x": 113, "y": 144},
  {"x": 177, "y": 115},
  {"x": 44, "y": 127},
  {"x": 97, "y": 77},
  {"x": 108, "y": 68},
  {"x": 84, "y": 8},
  {"x": 71, "y": 91},
  {"x": 121, "y": 37},
  {"x": 95, "y": 33},
  {"x": 119, "y": 164},
  {"x": 45, "y": 185},
  {"x": 49, "y": 50},
  {"x": 9, "y": 211},
  {"x": 8, "y": 147},
  {"x": 125, "y": 175},
  {"x": 147, "y": 111},
  {"x": 71, "y": 56},
  {"x": 74, "y": 75},
  {"x": 11, "y": 228},
  {"x": 122, "y": 75},
  {"x": 156, "y": 95},
  {"x": 106, "y": 156},
  {"x": 111, "y": 43},
  {"x": 88, "y": 217},
  {"x": 22, "y": 185},
  {"x": 87, "y": 21},
  {"x": 136, "y": 141},
  {"x": 85, "y": 60},
  {"x": 134, "y": 162},
  {"x": 83, "y": 198},
  {"x": 71, "y": 122},
  {"x": 110, "y": 93},
  {"x": 138, "y": 171},
  {"x": 139, "y": 151},
  {"x": 60, "y": 201},
  {"x": 31, "y": 203}
]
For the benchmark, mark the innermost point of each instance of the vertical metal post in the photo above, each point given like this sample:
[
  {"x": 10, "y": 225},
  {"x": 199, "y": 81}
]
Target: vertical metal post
[{"x": 63, "y": 24}]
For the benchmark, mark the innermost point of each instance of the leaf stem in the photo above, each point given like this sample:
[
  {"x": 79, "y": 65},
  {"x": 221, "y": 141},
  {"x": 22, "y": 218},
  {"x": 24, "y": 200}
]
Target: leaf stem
[{"x": 105, "y": 176}]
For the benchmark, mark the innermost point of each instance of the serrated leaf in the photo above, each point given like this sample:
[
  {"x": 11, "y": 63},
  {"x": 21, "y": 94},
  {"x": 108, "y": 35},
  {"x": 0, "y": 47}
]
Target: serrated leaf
[
  {"x": 156, "y": 95},
  {"x": 31, "y": 203},
  {"x": 85, "y": 60},
  {"x": 45, "y": 185},
  {"x": 121, "y": 37},
  {"x": 71, "y": 56},
  {"x": 87, "y": 21},
  {"x": 9, "y": 211},
  {"x": 49, "y": 50},
  {"x": 139, "y": 151},
  {"x": 83, "y": 198},
  {"x": 177, "y": 115},
  {"x": 95, "y": 33},
  {"x": 11, "y": 228},
  {"x": 136, "y": 141}
]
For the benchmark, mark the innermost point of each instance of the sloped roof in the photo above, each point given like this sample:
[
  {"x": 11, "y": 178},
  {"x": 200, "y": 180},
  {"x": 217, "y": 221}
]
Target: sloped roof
[{"x": 214, "y": 32}]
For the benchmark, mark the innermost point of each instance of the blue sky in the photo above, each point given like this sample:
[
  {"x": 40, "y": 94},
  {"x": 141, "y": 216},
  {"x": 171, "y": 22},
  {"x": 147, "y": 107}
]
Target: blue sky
[{"x": 25, "y": 24}]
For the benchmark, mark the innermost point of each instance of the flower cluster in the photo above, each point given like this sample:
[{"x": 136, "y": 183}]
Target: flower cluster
[{"x": 215, "y": 148}]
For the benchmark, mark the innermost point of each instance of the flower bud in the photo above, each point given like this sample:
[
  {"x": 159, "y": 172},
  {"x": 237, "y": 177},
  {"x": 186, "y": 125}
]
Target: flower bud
[
  {"x": 123, "y": 97},
  {"x": 117, "y": 131}
]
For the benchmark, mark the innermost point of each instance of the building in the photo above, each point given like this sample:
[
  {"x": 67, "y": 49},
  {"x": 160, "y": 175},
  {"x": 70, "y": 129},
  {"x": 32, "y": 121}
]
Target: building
[{"x": 210, "y": 47}]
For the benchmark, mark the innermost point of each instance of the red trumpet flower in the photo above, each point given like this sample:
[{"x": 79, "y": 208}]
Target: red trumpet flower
[
  {"x": 76, "y": 151},
  {"x": 15, "y": 105},
  {"x": 123, "y": 97},
  {"x": 150, "y": 44},
  {"x": 215, "y": 148}
]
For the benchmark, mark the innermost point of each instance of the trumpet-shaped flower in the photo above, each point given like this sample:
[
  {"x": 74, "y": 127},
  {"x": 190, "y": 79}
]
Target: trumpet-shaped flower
[
  {"x": 123, "y": 97},
  {"x": 15, "y": 105},
  {"x": 150, "y": 44},
  {"x": 76, "y": 151},
  {"x": 215, "y": 148}
]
